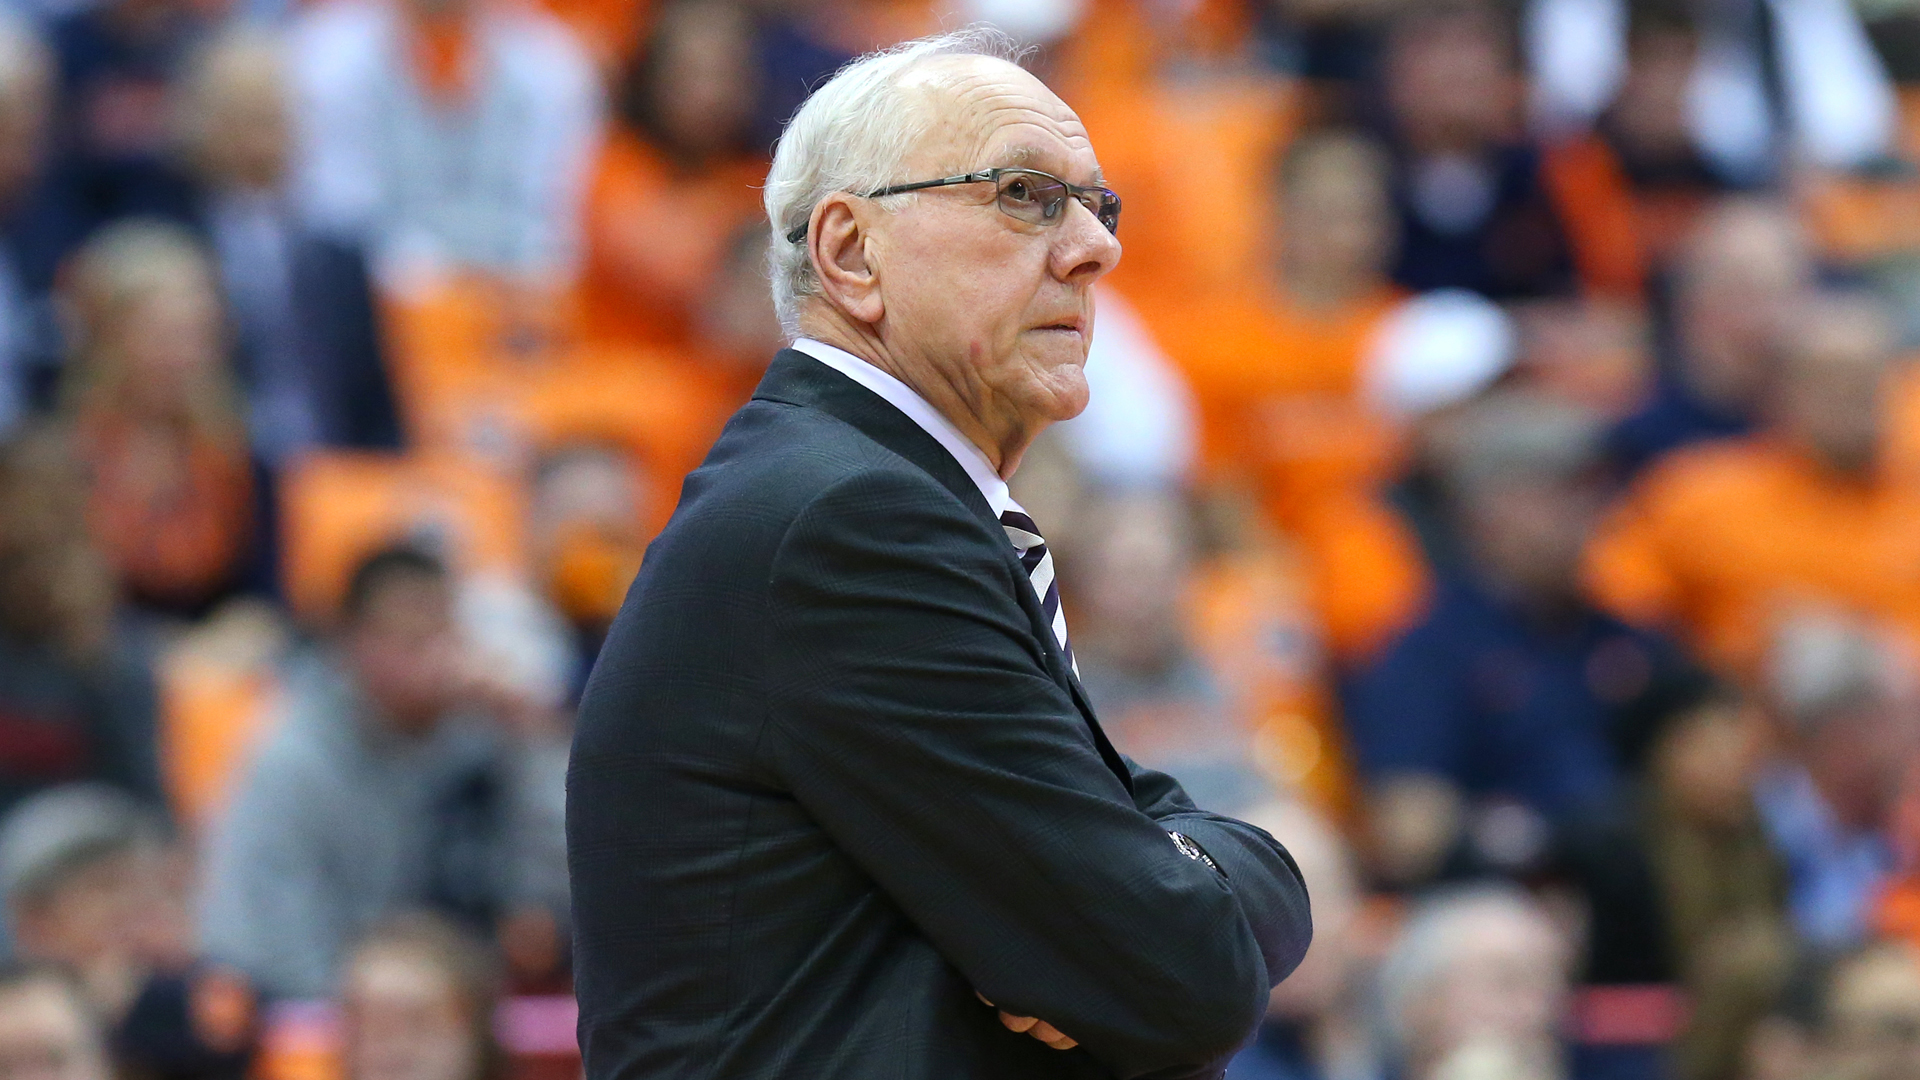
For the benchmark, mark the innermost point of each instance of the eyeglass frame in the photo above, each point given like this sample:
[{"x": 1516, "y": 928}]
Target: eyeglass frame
[{"x": 983, "y": 176}]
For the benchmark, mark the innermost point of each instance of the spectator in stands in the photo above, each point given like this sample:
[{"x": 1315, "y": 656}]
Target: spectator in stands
[
  {"x": 1339, "y": 44},
  {"x": 1474, "y": 211},
  {"x": 1647, "y": 129},
  {"x": 418, "y": 998},
  {"x": 32, "y": 229},
  {"x": 1477, "y": 985},
  {"x": 151, "y": 397},
  {"x": 588, "y": 528},
  {"x": 453, "y": 135},
  {"x": 1770, "y": 86},
  {"x": 299, "y": 301},
  {"x": 1709, "y": 543},
  {"x": 1738, "y": 276},
  {"x": 396, "y": 777},
  {"x": 1724, "y": 889},
  {"x": 1869, "y": 1015},
  {"x": 678, "y": 177},
  {"x": 77, "y": 693},
  {"x": 119, "y": 62},
  {"x": 1304, "y": 331},
  {"x": 47, "y": 1029},
  {"x": 1850, "y": 731},
  {"x": 1315, "y": 1027},
  {"x": 1156, "y": 697},
  {"x": 1495, "y": 716},
  {"x": 1281, "y": 372},
  {"x": 1646, "y": 122},
  {"x": 91, "y": 880}
]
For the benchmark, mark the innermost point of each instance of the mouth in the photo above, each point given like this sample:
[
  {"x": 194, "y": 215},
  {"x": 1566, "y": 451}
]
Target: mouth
[{"x": 1065, "y": 326}]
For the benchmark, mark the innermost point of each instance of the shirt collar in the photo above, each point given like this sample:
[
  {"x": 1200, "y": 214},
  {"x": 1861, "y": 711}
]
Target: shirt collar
[{"x": 902, "y": 397}]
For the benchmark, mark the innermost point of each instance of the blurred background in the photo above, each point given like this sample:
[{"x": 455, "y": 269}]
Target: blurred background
[{"x": 1502, "y": 482}]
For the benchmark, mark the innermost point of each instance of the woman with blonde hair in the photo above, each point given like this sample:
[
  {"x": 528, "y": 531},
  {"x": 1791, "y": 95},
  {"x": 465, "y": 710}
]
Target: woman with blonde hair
[{"x": 156, "y": 415}]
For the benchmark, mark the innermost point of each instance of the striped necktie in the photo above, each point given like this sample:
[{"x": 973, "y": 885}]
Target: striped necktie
[{"x": 1038, "y": 562}]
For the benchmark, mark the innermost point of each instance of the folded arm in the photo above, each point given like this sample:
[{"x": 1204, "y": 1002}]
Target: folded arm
[{"x": 912, "y": 715}]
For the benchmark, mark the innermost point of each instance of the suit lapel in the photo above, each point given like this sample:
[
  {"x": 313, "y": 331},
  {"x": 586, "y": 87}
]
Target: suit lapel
[{"x": 798, "y": 379}]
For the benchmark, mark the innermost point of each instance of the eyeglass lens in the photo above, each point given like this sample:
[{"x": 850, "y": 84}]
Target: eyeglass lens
[{"x": 1041, "y": 200}]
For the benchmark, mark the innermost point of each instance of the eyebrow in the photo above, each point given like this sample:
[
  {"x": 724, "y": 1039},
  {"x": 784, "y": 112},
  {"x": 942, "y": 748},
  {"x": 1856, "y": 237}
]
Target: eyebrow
[{"x": 1027, "y": 157}]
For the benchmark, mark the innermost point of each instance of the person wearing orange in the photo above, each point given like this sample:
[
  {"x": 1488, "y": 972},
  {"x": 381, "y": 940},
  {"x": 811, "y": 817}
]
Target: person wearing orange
[
  {"x": 453, "y": 135},
  {"x": 1734, "y": 279},
  {"x": 591, "y": 511},
  {"x": 156, "y": 418},
  {"x": 1277, "y": 370},
  {"x": 1645, "y": 138},
  {"x": 1719, "y": 541},
  {"x": 675, "y": 182}
]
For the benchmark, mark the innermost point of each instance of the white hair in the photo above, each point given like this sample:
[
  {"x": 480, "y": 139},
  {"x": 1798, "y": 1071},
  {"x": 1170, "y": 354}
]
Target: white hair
[
  {"x": 852, "y": 135},
  {"x": 1443, "y": 927}
]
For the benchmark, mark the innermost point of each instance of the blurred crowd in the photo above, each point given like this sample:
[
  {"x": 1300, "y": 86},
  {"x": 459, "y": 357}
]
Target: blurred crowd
[{"x": 1502, "y": 483}]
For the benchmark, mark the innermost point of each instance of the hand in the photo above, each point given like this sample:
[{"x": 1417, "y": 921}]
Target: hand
[{"x": 1037, "y": 1028}]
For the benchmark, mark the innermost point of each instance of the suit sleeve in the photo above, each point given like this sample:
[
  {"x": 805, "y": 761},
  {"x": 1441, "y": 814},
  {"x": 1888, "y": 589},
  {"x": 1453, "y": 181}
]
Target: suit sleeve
[
  {"x": 911, "y": 715},
  {"x": 1263, "y": 875}
]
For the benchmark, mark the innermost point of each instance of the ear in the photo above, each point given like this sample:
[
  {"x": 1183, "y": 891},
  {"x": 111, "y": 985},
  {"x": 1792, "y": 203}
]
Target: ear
[{"x": 838, "y": 245}]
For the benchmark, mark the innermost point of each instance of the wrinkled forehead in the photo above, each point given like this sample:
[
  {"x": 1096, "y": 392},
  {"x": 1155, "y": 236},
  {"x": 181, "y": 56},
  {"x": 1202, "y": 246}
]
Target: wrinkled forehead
[{"x": 984, "y": 113}]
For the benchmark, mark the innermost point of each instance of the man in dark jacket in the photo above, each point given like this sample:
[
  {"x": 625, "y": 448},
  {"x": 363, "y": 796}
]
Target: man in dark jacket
[{"x": 835, "y": 785}]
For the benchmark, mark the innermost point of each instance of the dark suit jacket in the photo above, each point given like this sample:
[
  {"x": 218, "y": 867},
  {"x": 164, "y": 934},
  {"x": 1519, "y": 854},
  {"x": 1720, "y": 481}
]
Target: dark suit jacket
[{"x": 832, "y": 775}]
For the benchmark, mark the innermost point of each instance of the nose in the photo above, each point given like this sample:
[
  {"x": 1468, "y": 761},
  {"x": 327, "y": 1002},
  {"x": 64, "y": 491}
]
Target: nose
[{"x": 1083, "y": 251}]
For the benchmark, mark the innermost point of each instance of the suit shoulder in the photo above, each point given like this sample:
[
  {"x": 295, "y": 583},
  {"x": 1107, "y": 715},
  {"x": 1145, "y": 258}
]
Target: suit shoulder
[{"x": 784, "y": 458}]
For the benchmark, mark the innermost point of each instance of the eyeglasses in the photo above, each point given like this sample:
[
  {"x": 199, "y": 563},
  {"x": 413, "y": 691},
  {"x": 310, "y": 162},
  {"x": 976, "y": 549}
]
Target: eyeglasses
[{"x": 1026, "y": 194}]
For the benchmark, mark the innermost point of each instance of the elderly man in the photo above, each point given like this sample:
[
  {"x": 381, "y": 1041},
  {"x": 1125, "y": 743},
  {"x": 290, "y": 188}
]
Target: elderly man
[{"x": 835, "y": 785}]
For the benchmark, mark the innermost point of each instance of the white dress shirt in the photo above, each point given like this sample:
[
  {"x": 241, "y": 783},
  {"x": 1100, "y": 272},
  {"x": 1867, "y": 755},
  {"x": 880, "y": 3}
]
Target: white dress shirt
[
  {"x": 902, "y": 397},
  {"x": 992, "y": 487}
]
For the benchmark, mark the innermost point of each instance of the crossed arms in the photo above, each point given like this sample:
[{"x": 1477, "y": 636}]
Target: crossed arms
[{"x": 912, "y": 715}]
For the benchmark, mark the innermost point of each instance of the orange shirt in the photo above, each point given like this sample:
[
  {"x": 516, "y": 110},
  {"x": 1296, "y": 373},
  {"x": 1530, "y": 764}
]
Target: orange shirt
[
  {"x": 1274, "y": 381},
  {"x": 656, "y": 238},
  {"x": 1280, "y": 410},
  {"x": 172, "y": 510},
  {"x": 1718, "y": 541},
  {"x": 1191, "y": 155}
]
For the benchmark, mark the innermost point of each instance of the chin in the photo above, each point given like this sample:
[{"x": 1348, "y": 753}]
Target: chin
[{"x": 1067, "y": 393}]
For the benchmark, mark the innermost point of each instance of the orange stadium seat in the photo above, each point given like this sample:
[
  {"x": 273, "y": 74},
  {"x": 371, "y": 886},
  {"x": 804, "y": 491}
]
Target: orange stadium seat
[
  {"x": 470, "y": 391},
  {"x": 447, "y": 336},
  {"x": 211, "y": 714},
  {"x": 338, "y": 508},
  {"x": 637, "y": 399}
]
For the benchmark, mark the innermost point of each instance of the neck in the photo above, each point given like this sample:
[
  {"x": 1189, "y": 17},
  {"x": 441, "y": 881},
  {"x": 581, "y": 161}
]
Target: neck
[{"x": 1003, "y": 442}]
